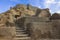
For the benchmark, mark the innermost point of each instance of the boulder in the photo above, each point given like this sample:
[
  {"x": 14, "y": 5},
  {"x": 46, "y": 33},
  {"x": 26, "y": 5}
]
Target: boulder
[{"x": 45, "y": 13}]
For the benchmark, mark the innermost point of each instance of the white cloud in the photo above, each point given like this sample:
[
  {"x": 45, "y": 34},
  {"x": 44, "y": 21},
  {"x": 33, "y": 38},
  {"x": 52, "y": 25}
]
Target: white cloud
[
  {"x": 53, "y": 5},
  {"x": 39, "y": 6},
  {"x": 50, "y": 1},
  {"x": 58, "y": 11}
]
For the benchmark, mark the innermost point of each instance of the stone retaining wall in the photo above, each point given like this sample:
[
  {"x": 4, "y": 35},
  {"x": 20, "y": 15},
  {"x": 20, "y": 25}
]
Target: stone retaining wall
[{"x": 7, "y": 33}]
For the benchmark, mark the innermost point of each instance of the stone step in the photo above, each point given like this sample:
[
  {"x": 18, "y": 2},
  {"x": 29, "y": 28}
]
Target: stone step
[
  {"x": 19, "y": 28},
  {"x": 20, "y": 31},
  {"x": 23, "y": 38},
  {"x": 22, "y": 35}
]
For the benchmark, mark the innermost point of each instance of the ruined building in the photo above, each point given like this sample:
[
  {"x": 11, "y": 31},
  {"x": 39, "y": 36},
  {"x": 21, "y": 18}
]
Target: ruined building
[{"x": 26, "y": 22}]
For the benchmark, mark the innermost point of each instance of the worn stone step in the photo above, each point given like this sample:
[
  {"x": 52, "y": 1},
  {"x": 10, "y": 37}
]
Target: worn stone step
[
  {"x": 23, "y": 38},
  {"x": 22, "y": 35},
  {"x": 19, "y": 30}
]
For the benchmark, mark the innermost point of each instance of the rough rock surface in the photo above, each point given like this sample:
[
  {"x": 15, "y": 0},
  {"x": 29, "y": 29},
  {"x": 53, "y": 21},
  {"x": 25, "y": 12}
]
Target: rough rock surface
[
  {"x": 45, "y": 13},
  {"x": 7, "y": 33},
  {"x": 21, "y": 10},
  {"x": 55, "y": 16},
  {"x": 42, "y": 29}
]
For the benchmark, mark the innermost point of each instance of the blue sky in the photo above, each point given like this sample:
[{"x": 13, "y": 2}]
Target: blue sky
[{"x": 53, "y": 5}]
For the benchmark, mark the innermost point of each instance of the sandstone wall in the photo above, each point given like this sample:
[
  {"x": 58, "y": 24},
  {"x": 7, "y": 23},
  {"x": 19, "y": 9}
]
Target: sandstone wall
[
  {"x": 34, "y": 19},
  {"x": 56, "y": 29},
  {"x": 7, "y": 33},
  {"x": 44, "y": 30},
  {"x": 40, "y": 28}
]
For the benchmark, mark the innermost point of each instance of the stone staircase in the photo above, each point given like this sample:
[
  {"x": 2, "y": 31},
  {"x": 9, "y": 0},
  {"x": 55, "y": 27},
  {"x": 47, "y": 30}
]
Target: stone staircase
[{"x": 21, "y": 34}]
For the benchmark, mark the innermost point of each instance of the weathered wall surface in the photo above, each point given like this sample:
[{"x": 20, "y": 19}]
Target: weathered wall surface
[
  {"x": 56, "y": 29},
  {"x": 43, "y": 30},
  {"x": 34, "y": 19},
  {"x": 7, "y": 33},
  {"x": 38, "y": 28}
]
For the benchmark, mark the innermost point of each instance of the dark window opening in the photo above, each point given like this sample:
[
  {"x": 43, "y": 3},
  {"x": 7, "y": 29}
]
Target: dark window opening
[{"x": 17, "y": 16}]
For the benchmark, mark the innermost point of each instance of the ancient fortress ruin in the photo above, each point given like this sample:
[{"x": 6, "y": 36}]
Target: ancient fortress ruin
[{"x": 26, "y": 22}]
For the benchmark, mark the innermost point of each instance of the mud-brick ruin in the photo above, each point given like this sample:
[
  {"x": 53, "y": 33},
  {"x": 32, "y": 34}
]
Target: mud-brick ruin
[{"x": 26, "y": 22}]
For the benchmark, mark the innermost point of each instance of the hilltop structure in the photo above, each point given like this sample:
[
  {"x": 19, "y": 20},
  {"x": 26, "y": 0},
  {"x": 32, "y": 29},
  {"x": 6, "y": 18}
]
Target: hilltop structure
[{"x": 37, "y": 23}]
